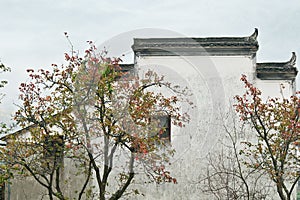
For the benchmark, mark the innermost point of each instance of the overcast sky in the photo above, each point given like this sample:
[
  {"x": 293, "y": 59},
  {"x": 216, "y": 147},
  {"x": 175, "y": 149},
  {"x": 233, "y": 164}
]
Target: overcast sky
[{"x": 31, "y": 32}]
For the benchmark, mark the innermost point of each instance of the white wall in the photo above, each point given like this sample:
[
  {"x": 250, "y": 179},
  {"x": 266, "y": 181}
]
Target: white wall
[
  {"x": 275, "y": 88},
  {"x": 214, "y": 81}
]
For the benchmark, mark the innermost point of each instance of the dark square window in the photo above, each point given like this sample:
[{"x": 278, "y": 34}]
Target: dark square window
[
  {"x": 53, "y": 146},
  {"x": 164, "y": 126}
]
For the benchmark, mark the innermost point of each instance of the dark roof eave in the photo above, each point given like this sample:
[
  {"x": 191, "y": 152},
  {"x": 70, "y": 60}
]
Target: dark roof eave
[
  {"x": 196, "y": 46},
  {"x": 276, "y": 77},
  {"x": 197, "y": 51},
  {"x": 17, "y": 133},
  {"x": 272, "y": 65},
  {"x": 287, "y": 74},
  {"x": 277, "y": 71}
]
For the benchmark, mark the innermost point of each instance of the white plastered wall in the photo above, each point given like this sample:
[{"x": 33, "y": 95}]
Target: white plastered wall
[{"x": 214, "y": 81}]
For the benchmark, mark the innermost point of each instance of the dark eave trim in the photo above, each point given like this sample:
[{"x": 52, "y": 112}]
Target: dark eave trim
[
  {"x": 277, "y": 71},
  {"x": 215, "y": 46},
  {"x": 126, "y": 67}
]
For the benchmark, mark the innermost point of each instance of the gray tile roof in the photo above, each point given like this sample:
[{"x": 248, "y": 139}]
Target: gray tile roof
[
  {"x": 277, "y": 70},
  {"x": 196, "y": 46}
]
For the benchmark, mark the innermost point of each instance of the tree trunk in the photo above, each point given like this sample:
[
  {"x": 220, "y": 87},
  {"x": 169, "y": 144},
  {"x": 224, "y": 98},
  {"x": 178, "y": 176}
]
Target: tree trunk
[{"x": 280, "y": 192}]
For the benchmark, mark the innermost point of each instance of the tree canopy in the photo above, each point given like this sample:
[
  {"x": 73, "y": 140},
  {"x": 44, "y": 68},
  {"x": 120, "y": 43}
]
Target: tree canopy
[
  {"x": 88, "y": 114},
  {"x": 276, "y": 129}
]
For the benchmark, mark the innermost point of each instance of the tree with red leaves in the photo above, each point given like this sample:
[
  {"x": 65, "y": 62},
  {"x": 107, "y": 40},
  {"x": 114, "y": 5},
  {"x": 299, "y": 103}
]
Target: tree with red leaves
[
  {"x": 89, "y": 114},
  {"x": 276, "y": 129}
]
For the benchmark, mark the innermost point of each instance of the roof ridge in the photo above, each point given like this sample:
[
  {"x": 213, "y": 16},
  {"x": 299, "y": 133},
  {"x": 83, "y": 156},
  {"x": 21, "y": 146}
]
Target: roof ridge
[
  {"x": 289, "y": 63},
  {"x": 197, "y": 46},
  {"x": 252, "y": 37}
]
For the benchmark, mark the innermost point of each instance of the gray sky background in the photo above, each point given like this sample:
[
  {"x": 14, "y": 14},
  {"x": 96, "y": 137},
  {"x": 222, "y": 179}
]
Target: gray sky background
[{"x": 31, "y": 31}]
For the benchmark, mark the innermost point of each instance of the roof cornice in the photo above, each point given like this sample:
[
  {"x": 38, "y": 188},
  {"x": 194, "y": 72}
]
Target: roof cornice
[
  {"x": 277, "y": 70},
  {"x": 214, "y": 46}
]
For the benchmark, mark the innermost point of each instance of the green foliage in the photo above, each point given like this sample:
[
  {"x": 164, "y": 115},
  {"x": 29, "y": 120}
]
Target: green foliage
[
  {"x": 5, "y": 172},
  {"x": 3, "y": 68}
]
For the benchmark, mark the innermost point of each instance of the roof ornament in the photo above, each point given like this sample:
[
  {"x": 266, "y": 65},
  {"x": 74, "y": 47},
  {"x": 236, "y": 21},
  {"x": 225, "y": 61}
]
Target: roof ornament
[
  {"x": 292, "y": 61},
  {"x": 254, "y": 35}
]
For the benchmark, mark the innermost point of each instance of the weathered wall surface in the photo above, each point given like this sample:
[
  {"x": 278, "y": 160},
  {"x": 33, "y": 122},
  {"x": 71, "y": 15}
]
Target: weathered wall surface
[
  {"x": 26, "y": 188},
  {"x": 214, "y": 81}
]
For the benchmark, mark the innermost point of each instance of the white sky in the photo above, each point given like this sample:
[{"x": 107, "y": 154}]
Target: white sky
[{"x": 31, "y": 31}]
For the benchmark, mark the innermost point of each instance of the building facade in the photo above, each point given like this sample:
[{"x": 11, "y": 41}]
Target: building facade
[{"x": 211, "y": 68}]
